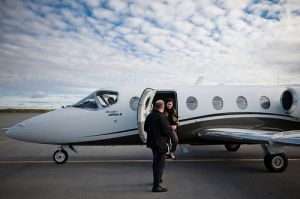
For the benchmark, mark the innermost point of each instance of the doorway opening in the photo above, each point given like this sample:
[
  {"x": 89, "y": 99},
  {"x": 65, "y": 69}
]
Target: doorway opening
[
  {"x": 165, "y": 95},
  {"x": 146, "y": 105}
]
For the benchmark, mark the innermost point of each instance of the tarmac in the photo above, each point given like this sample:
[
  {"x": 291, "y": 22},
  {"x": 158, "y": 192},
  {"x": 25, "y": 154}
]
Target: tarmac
[{"x": 28, "y": 171}]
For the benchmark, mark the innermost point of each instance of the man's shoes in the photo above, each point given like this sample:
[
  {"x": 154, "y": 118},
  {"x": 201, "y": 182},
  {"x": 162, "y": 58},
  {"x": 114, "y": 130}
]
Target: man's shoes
[
  {"x": 159, "y": 189},
  {"x": 172, "y": 155}
]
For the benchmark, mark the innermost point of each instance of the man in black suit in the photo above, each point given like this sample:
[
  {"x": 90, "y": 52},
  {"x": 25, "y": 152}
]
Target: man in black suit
[{"x": 157, "y": 128}]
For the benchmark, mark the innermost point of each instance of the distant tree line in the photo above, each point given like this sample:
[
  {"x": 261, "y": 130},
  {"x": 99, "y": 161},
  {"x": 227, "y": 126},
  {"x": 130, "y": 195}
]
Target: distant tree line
[{"x": 12, "y": 110}]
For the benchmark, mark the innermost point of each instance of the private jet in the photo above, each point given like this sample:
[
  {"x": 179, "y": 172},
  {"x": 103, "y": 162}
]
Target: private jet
[{"x": 227, "y": 115}]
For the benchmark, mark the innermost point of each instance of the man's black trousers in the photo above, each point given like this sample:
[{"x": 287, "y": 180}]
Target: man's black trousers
[{"x": 158, "y": 165}]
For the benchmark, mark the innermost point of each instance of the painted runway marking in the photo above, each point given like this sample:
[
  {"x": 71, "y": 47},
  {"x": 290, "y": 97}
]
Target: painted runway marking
[{"x": 131, "y": 161}]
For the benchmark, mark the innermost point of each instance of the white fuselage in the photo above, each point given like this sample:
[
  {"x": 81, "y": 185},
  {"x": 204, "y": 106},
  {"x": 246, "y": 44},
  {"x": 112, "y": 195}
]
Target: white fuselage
[{"x": 77, "y": 125}]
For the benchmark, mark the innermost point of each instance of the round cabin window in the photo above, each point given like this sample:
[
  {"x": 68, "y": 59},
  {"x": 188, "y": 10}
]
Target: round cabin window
[
  {"x": 191, "y": 103},
  {"x": 217, "y": 103},
  {"x": 264, "y": 102},
  {"x": 134, "y": 103},
  {"x": 289, "y": 100},
  {"x": 241, "y": 102}
]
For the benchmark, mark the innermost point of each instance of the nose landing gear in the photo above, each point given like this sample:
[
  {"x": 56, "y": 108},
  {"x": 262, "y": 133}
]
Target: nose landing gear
[{"x": 60, "y": 156}]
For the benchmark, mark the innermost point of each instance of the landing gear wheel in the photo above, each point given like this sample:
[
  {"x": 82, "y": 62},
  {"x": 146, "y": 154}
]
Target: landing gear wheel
[
  {"x": 60, "y": 156},
  {"x": 276, "y": 162},
  {"x": 232, "y": 147}
]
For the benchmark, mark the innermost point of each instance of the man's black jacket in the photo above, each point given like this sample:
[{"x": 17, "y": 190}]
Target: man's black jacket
[{"x": 158, "y": 129}]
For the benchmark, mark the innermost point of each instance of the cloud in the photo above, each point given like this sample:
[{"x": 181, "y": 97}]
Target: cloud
[
  {"x": 93, "y": 3},
  {"x": 39, "y": 94},
  {"x": 80, "y": 46},
  {"x": 118, "y": 5}
]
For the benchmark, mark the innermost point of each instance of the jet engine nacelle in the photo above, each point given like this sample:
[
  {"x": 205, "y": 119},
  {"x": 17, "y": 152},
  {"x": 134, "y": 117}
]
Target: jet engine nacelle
[{"x": 290, "y": 101}]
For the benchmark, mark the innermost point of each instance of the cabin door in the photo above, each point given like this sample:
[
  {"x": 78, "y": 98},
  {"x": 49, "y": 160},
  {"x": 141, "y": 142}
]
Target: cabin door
[{"x": 144, "y": 109}]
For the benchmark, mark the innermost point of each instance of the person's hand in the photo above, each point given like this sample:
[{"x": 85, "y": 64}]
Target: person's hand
[{"x": 174, "y": 127}]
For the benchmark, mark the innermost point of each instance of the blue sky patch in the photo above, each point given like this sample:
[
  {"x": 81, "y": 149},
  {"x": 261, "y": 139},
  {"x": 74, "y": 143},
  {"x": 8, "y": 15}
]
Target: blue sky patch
[{"x": 266, "y": 14}]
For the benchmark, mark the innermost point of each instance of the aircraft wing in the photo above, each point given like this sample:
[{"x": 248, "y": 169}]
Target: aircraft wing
[{"x": 250, "y": 136}]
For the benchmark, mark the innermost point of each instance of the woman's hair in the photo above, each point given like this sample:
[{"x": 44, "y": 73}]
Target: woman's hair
[{"x": 169, "y": 100}]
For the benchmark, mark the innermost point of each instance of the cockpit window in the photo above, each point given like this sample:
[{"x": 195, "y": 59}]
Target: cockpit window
[
  {"x": 98, "y": 99},
  {"x": 107, "y": 98},
  {"x": 87, "y": 103}
]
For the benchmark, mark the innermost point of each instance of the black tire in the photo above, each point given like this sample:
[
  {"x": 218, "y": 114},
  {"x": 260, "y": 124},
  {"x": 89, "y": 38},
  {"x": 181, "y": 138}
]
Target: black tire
[
  {"x": 232, "y": 147},
  {"x": 60, "y": 156},
  {"x": 276, "y": 162}
]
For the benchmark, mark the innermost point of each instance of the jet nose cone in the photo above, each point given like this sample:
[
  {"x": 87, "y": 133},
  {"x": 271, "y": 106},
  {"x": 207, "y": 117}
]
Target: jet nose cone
[{"x": 15, "y": 131}]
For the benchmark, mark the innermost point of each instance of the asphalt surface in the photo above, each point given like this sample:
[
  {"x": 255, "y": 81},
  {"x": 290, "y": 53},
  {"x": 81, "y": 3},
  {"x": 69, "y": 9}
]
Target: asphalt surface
[{"x": 27, "y": 171}]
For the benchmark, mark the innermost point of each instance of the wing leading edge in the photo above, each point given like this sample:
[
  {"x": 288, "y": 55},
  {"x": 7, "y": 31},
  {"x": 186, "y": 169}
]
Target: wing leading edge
[{"x": 287, "y": 138}]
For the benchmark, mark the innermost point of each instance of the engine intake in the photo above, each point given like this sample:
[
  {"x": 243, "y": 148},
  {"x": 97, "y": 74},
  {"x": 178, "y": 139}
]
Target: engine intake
[{"x": 289, "y": 101}]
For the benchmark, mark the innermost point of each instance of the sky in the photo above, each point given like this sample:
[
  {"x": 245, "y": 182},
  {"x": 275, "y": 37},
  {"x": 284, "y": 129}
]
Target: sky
[{"x": 52, "y": 53}]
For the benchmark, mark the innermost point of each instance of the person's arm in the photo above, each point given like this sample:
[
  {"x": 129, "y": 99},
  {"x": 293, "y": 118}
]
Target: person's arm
[
  {"x": 165, "y": 127},
  {"x": 147, "y": 125},
  {"x": 176, "y": 117}
]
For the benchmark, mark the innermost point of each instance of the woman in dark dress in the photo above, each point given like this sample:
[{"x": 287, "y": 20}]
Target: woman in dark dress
[{"x": 172, "y": 116}]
